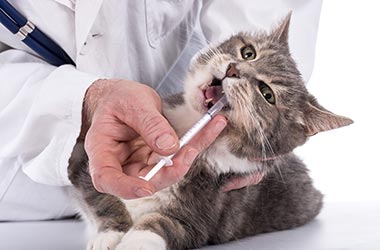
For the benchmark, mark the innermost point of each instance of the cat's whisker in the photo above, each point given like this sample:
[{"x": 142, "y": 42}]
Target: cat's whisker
[
  {"x": 252, "y": 114},
  {"x": 277, "y": 169},
  {"x": 209, "y": 54},
  {"x": 264, "y": 139},
  {"x": 291, "y": 91},
  {"x": 216, "y": 52},
  {"x": 242, "y": 111},
  {"x": 252, "y": 122}
]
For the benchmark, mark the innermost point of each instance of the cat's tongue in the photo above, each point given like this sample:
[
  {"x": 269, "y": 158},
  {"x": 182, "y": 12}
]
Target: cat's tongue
[{"x": 214, "y": 93}]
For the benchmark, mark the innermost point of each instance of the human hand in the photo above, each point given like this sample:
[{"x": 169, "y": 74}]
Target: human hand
[
  {"x": 124, "y": 126},
  {"x": 242, "y": 181}
]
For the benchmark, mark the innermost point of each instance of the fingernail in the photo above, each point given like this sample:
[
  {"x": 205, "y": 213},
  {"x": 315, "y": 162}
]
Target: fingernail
[
  {"x": 190, "y": 156},
  {"x": 142, "y": 192},
  {"x": 166, "y": 141},
  {"x": 219, "y": 126}
]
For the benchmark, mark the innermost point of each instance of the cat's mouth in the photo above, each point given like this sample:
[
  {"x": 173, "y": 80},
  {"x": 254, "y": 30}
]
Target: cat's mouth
[{"x": 212, "y": 92}]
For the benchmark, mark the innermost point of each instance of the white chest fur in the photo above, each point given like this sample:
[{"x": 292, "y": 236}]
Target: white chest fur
[
  {"x": 222, "y": 161},
  {"x": 139, "y": 207}
]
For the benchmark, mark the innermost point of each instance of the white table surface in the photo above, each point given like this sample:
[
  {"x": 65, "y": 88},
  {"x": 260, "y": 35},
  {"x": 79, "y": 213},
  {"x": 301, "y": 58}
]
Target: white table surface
[{"x": 339, "y": 226}]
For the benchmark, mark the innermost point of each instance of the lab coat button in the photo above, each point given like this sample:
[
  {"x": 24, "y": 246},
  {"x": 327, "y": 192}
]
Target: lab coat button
[{"x": 96, "y": 35}]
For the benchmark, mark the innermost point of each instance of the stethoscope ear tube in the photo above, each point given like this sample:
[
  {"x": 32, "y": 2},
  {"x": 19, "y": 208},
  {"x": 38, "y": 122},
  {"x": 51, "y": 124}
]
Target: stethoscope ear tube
[
  {"x": 32, "y": 36},
  {"x": 7, "y": 21}
]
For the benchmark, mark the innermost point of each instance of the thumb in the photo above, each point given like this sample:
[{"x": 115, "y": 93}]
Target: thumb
[{"x": 156, "y": 132}]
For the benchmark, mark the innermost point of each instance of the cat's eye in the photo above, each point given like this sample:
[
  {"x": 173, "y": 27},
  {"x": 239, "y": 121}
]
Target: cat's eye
[
  {"x": 248, "y": 53},
  {"x": 267, "y": 93}
]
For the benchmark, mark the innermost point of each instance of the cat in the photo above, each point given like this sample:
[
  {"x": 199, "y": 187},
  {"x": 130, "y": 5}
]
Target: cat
[{"x": 269, "y": 112}]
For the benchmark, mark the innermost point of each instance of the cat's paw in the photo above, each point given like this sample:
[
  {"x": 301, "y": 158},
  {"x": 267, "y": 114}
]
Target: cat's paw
[
  {"x": 141, "y": 240},
  {"x": 107, "y": 240}
]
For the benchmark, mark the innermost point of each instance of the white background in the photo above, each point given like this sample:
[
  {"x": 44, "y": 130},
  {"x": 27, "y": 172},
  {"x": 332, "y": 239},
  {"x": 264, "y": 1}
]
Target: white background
[{"x": 345, "y": 163}]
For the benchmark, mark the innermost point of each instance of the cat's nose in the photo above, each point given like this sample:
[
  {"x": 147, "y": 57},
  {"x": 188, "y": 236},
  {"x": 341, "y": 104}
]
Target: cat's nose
[{"x": 232, "y": 71}]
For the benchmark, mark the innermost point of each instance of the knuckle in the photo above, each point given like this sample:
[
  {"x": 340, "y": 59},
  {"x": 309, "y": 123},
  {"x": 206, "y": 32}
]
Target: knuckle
[
  {"x": 152, "y": 124},
  {"x": 150, "y": 91},
  {"x": 109, "y": 105},
  {"x": 204, "y": 143},
  {"x": 153, "y": 96},
  {"x": 88, "y": 141}
]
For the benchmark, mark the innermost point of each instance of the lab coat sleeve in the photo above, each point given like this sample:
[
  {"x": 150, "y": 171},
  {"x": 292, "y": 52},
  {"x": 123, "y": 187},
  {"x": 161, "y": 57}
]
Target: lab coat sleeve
[
  {"x": 40, "y": 114},
  {"x": 221, "y": 18}
]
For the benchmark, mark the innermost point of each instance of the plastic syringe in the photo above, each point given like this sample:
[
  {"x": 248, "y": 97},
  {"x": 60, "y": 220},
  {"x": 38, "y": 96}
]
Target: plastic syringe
[{"x": 206, "y": 118}]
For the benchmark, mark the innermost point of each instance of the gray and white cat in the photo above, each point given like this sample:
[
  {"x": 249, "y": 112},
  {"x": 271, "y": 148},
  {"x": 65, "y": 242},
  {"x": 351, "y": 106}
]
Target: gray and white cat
[{"x": 269, "y": 113}]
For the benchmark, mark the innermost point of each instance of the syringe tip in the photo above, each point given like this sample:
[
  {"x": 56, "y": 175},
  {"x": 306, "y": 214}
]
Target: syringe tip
[{"x": 218, "y": 106}]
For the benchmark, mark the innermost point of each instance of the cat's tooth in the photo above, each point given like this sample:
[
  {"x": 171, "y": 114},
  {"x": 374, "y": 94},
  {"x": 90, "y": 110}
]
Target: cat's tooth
[
  {"x": 207, "y": 101},
  {"x": 222, "y": 91}
]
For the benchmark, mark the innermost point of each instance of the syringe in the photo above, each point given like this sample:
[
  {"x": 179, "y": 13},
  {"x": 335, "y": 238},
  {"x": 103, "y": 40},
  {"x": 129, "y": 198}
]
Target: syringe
[{"x": 218, "y": 106}]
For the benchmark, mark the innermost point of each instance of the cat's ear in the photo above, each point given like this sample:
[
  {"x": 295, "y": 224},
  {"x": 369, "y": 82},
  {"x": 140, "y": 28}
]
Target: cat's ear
[
  {"x": 281, "y": 33},
  {"x": 318, "y": 119}
]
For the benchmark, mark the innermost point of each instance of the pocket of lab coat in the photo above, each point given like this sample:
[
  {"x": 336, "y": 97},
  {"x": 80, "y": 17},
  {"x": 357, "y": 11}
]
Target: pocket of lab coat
[{"x": 163, "y": 17}]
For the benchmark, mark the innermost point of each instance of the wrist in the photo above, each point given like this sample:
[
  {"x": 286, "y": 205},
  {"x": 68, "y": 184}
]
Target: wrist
[{"x": 91, "y": 99}]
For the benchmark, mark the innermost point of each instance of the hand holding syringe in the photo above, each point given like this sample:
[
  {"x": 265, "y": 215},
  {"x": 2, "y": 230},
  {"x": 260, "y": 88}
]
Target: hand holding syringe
[{"x": 206, "y": 118}]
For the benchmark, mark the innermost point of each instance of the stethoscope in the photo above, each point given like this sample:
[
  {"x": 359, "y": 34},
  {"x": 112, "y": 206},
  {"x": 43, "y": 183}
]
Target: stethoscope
[{"x": 27, "y": 32}]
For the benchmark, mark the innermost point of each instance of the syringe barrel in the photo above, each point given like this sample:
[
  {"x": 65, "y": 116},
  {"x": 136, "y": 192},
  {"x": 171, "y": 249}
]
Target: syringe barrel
[
  {"x": 194, "y": 130},
  {"x": 218, "y": 106}
]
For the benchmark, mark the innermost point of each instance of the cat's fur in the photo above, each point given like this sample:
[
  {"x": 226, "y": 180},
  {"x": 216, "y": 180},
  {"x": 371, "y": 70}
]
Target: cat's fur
[{"x": 259, "y": 138}]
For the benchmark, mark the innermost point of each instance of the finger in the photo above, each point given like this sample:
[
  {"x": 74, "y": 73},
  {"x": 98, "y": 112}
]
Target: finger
[
  {"x": 105, "y": 168},
  {"x": 115, "y": 182},
  {"x": 155, "y": 130},
  {"x": 172, "y": 174},
  {"x": 181, "y": 165},
  {"x": 209, "y": 133},
  {"x": 153, "y": 158},
  {"x": 242, "y": 181}
]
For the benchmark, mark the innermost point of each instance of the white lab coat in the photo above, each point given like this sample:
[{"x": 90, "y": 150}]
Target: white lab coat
[{"x": 148, "y": 41}]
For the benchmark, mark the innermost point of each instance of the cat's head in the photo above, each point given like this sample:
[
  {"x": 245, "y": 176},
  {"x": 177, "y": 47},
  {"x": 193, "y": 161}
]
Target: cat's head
[{"x": 270, "y": 112}]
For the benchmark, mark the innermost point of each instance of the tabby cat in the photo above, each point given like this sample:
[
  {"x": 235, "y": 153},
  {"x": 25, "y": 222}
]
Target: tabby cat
[{"x": 269, "y": 113}]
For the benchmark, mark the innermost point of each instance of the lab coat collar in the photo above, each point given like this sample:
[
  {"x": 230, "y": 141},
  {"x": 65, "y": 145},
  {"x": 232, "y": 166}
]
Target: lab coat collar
[{"x": 85, "y": 15}]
